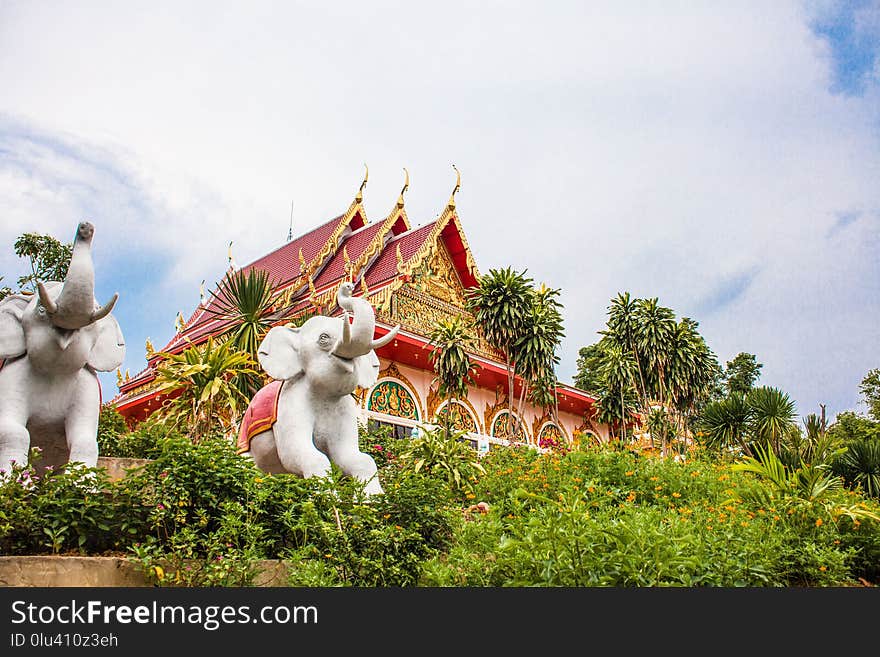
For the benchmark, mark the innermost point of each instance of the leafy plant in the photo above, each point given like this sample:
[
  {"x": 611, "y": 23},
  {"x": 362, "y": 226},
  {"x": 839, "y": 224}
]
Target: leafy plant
[
  {"x": 449, "y": 456},
  {"x": 201, "y": 386}
]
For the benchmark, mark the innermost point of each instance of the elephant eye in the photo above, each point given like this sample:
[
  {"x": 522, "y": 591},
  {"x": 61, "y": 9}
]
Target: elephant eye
[
  {"x": 324, "y": 340},
  {"x": 40, "y": 309}
]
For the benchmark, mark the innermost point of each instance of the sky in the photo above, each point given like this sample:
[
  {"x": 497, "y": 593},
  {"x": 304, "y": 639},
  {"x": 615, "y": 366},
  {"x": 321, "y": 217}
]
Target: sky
[{"x": 722, "y": 157}]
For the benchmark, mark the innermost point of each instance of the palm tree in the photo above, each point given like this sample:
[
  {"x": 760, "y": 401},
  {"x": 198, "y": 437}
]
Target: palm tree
[
  {"x": 535, "y": 350},
  {"x": 204, "y": 378},
  {"x": 725, "y": 423},
  {"x": 618, "y": 395},
  {"x": 245, "y": 301},
  {"x": 450, "y": 340},
  {"x": 859, "y": 465},
  {"x": 501, "y": 304},
  {"x": 772, "y": 415}
]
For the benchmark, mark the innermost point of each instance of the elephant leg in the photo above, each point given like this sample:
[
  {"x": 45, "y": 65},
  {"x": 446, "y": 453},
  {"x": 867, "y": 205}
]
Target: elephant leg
[
  {"x": 81, "y": 423},
  {"x": 298, "y": 453},
  {"x": 344, "y": 452},
  {"x": 15, "y": 441}
]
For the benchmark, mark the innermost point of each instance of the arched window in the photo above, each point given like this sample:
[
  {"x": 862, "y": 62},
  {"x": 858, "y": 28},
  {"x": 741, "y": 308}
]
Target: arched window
[
  {"x": 550, "y": 436},
  {"x": 459, "y": 414},
  {"x": 392, "y": 398},
  {"x": 509, "y": 427}
]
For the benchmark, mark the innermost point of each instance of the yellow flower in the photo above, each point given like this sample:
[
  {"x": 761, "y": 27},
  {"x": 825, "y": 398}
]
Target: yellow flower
[
  {"x": 676, "y": 495},
  {"x": 657, "y": 487},
  {"x": 822, "y": 568},
  {"x": 630, "y": 473},
  {"x": 160, "y": 574},
  {"x": 654, "y": 478},
  {"x": 470, "y": 496}
]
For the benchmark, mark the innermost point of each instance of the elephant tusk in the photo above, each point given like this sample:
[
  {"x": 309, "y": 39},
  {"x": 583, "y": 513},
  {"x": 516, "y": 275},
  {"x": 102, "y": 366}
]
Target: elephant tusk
[
  {"x": 103, "y": 311},
  {"x": 46, "y": 300},
  {"x": 385, "y": 339}
]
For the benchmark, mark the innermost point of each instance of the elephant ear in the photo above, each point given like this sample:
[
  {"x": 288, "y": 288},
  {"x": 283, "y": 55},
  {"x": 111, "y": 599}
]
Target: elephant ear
[
  {"x": 279, "y": 353},
  {"x": 12, "y": 341},
  {"x": 367, "y": 369},
  {"x": 109, "y": 349}
]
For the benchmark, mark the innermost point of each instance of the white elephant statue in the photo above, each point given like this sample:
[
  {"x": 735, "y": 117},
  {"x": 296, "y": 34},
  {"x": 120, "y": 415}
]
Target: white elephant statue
[
  {"x": 51, "y": 344},
  {"x": 307, "y": 417}
]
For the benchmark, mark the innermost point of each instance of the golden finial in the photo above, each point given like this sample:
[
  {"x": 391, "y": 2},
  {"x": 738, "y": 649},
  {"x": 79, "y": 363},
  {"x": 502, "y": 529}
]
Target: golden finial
[
  {"x": 399, "y": 259},
  {"x": 229, "y": 256},
  {"x": 451, "y": 203},
  {"x": 403, "y": 190},
  {"x": 118, "y": 377},
  {"x": 127, "y": 376},
  {"x": 149, "y": 347},
  {"x": 360, "y": 194},
  {"x": 345, "y": 257},
  {"x": 364, "y": 289},
  {"x": 202, "y": 293},
  {"x": 180, "y": 323},
  {"x": 302, "y": 261}
]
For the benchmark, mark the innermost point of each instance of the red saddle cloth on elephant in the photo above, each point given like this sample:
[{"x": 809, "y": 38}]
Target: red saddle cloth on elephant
[{"x": 260, "y": 415}]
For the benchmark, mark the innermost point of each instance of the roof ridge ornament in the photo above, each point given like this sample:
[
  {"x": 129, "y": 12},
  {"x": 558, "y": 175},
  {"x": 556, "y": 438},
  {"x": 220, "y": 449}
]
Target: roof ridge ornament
[
  {"x": 451, "y": 203},
  {"x": 360, "y": 194},
  {"x": 403, "y": 190}
]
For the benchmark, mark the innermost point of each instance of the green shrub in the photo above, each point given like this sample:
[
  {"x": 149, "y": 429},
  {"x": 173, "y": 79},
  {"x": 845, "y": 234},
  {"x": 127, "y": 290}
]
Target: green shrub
[{"x": 68, "y": 509}]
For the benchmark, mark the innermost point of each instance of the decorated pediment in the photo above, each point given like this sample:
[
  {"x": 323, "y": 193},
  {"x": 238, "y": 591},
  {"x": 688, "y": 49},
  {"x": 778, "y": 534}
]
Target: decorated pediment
[{"x": 437, "y": 277}]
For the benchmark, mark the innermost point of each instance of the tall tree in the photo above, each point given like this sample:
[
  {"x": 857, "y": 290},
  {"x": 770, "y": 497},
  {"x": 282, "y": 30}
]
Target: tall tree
[
  {"x": 649, "y": 362},
  {"x": 589, "y": 368},
  {"x": 450, "y": 340},
  {"x": 49, "y": 259},
  {"x": 501, "y": 304},
  {"x": 535, "y": 350},
  {"x": 870, "y": 389},
  {"x": 741, "y": 373}
]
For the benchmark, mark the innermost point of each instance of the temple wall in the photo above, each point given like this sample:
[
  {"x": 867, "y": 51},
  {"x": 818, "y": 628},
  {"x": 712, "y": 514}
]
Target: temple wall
[{"x": 484, "y": 405}]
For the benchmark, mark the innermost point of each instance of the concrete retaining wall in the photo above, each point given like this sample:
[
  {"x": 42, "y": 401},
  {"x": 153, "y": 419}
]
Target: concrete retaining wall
[{"x": 65, "y": 571}]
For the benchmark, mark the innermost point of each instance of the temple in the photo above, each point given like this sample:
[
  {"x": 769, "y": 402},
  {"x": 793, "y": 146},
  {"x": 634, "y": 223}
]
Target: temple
[{"x": 414, "y": 277}]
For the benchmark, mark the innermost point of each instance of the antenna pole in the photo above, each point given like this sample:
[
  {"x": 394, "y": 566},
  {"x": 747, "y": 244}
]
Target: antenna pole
[{"x": 290, "y": 230}]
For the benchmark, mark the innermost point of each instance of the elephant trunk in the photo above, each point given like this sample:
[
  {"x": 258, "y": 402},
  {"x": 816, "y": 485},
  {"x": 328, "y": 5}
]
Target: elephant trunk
[
  {"x": 357, "y": 339},
  {"x": 75, "y": 306}
]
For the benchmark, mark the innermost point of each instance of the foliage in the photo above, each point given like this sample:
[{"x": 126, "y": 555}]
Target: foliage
[
  {"x": 850, "y": 426},
  {"x": 201, "y": 515},
  {"x": 49, "y": 259},
  {"x": 646, "y": 361},
  {"x": 142, "y": 442},
  {"x": 589, "y": 364},
  {"x": 450, "y": 340},
  {"x": 245, "y": 299},
  {"x": 501, "y": 304},
  {"x": 859, "y": 465},
  {"x": 606, "y": 516},
  {"x": 870, "y": 389},
  {"x": 64, "y": 510},
  {"x": 741, "y": 373},
  {"x": 202, "y": 386},
  {"x": 447, "y": 455},
  {"x": 535, "y": 349}
]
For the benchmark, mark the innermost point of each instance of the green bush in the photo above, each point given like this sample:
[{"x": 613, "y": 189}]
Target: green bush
[{"x": 68, "y": 509}]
